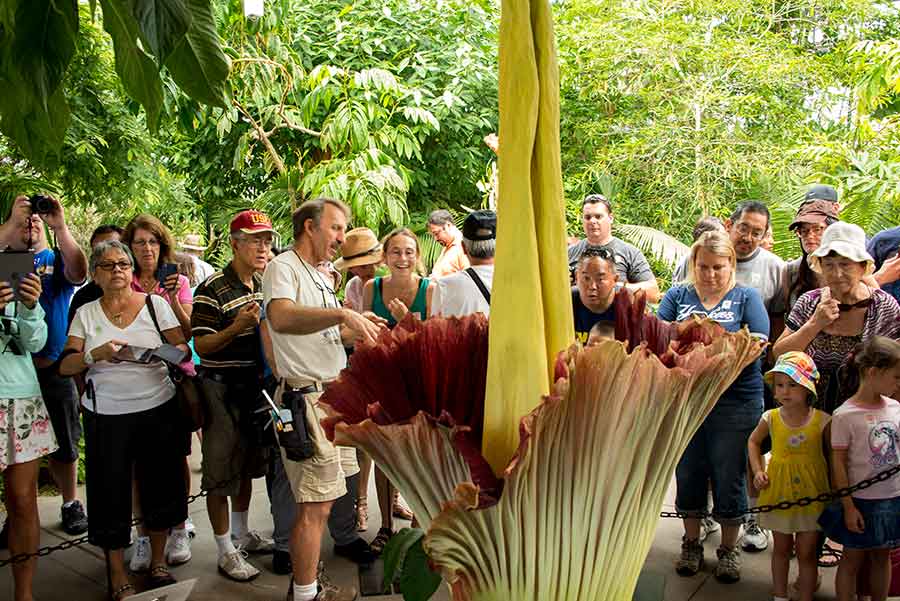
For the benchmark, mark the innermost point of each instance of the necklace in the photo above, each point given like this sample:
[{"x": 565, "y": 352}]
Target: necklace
[{"x": 116, "y": 318}]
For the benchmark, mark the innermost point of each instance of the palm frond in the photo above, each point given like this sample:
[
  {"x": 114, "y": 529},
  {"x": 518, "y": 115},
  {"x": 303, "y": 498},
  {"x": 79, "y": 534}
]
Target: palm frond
[{"x": 662, "y": 246}]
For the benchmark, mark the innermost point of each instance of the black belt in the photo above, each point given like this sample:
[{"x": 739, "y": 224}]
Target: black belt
[{"x": 309, "y": 389}]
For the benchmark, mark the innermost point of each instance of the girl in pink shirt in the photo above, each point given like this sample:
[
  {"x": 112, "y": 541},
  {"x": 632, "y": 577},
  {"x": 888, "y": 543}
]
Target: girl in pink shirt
[{"x": 865, "y": 441}]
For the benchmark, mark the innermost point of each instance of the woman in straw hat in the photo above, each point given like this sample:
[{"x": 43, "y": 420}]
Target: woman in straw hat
[
  {"x": 828, "y": 322},
  {"x": 362, "y": 254}
]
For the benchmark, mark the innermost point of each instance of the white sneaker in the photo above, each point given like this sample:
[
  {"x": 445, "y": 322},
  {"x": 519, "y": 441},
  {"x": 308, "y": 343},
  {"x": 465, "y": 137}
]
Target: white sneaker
[
  {"x": 178, "y": 547},
  {"x": 234, "y": 566},
  {"x": 190, "y": 528},
  {"x": 140, "y": 555},
  {"x": 707, "y": 527},
  {"x": 755, "y": 538},
  {"x": 253, "y": 542}
]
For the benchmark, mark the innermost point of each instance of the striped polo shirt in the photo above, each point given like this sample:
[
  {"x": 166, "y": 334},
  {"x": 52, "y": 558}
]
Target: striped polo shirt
[{"x": 217, "y": 302}]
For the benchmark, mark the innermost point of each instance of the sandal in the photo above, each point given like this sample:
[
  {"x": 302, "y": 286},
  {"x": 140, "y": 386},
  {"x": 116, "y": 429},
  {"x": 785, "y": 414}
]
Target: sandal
[
  {"x": 123, "y": 592},
  {"x": 362, "y": 514},
  {"x": 381, "y": 540},
  {"x": 399, "y": 509},
  {"x": 830, "y": 557},
  {"x": 160, "y": 576}
]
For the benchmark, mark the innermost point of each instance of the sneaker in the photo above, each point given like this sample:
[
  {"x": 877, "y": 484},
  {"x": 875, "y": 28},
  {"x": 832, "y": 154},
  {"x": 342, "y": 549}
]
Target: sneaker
[
  {"x": 728, "y": 570},
  {"x": 178, "y": 547},
  {"x": 691, "y": 560},
  {"x": 755, "y": 538},
  {"x": 329, "y": 591},
  {"x": 74, "y": 520},
  {"x": 140, "y": 555},
  {"x": 358, "y": 552},
  {"x": 189, "y": 526},
  {"x": 234, "y": 566},
  {"x": 281, "y": 563},
  {"x": 253, "y": 542},
  {"x": 708, "y": 526}
]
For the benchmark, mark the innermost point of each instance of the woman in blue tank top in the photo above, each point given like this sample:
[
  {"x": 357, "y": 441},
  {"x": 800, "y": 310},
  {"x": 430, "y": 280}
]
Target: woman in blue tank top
[{"x": 392, "y": 297}]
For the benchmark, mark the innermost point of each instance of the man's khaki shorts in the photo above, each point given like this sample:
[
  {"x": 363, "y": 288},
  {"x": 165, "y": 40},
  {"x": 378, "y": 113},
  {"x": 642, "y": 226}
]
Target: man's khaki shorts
[{"x": 322, "y": 476}]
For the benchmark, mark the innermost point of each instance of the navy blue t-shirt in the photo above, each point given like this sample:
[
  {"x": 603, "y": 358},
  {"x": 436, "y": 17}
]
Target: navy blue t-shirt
[
  {"x": 740, "y": 307},
  {"x": 55, "y": 298},
  {"x": 883, "y": 246},
  {"x": 585, "y": 318}
]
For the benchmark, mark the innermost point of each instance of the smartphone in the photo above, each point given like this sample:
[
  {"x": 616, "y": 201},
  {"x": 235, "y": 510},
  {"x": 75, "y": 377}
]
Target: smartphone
[
  {"x": 164, "y": 271},
  {"x": 14, "y": 266},
  {"x": 134, "y": 354}
]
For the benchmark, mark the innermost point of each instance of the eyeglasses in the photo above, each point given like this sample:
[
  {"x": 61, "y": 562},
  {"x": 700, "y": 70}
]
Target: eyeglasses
[
  {"x": 112, "y": 266},
  {"x": 813, "y": 230},
  {"x": 148, "y": 242},
  {"x": 745, "y": 230},
  {"x": 257, "y": 242}
]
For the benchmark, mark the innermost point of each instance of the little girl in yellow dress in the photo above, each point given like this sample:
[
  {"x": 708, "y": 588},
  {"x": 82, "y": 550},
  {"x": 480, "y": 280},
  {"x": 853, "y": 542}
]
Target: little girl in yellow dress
[{"x": 796, "y": 469}]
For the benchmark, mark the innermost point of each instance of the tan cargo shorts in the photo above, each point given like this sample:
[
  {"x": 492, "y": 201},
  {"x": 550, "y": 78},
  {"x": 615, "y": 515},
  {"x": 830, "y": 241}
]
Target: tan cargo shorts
[{"x": 322, "y": 477}]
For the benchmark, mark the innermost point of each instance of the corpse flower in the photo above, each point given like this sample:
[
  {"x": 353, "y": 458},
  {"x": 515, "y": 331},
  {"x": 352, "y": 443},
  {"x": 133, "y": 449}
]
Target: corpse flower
[{"x": 573, "y": 514}]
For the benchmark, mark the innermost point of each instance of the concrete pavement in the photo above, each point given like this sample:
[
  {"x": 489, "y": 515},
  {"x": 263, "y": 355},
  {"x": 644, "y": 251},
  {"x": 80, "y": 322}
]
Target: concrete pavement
[{"x": 79, "y": 574}]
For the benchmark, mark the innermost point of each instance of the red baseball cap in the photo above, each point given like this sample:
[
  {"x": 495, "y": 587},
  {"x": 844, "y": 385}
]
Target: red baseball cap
[{"x": 251, "y": 222}]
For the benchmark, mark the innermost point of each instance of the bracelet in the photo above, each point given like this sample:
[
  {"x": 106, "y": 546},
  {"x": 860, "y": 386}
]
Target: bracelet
[{"x": 87, "y": 358}]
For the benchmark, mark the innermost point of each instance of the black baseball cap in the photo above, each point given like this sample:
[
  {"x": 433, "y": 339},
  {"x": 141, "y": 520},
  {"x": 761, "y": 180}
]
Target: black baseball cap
[
  {"x": 480, "y": 225},
  {"x": 821, "y": 192}
]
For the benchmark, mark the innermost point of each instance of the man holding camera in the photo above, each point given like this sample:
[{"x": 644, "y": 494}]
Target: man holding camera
[{"x": 61, "y": 269}]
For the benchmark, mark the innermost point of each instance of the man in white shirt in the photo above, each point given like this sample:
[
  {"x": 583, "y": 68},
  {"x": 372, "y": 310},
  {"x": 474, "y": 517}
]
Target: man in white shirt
[
  {"x": 469, "y": 291},
  {"x": 307, "y": 324}
]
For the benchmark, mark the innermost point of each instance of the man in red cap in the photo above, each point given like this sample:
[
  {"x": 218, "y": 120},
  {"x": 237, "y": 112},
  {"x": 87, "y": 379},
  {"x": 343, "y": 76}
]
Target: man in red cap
[{"x": 226, "y": 337}]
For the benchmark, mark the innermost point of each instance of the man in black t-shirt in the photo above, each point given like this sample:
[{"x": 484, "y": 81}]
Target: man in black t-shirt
[{"x": 594, "y": 291}]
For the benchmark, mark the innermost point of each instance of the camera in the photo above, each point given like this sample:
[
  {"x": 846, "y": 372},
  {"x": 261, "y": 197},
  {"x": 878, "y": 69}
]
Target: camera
[{"x": 42, "y": 205}]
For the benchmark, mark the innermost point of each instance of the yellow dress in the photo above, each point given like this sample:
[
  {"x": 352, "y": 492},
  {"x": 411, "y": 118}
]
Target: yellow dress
[{"x": 796, "y": 469}]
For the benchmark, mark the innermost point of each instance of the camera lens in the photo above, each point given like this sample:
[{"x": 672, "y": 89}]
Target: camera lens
[{"x": 41, "y": 205}]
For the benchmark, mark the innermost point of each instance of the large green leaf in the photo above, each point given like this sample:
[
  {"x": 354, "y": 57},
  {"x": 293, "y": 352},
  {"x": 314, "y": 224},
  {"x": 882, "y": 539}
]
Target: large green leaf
[
  {"x": 163, "y": 24},
  {"x": 197, "y": 64},
  {"x": 137, "y": 71},
  {"x": 38, "y": 129},
  {"x": 44, "y": 43}
]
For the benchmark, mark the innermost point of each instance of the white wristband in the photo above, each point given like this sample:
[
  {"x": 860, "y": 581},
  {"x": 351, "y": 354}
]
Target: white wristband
[{"x": 88, "y": 359}]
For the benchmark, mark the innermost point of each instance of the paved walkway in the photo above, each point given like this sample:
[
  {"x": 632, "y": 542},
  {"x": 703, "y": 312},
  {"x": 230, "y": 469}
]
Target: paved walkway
[{"x": 79, "y": 574}]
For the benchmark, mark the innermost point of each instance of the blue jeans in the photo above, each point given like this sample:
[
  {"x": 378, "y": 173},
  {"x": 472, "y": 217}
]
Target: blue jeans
[{"x": 718, "y": 453}]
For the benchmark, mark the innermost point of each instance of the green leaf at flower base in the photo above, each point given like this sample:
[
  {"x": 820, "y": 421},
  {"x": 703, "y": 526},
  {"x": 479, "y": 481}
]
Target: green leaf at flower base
[
  {"x": 395, "y": 552},
  {"x": 198, "y": 65},
  {"x": 417, "y": 581}
]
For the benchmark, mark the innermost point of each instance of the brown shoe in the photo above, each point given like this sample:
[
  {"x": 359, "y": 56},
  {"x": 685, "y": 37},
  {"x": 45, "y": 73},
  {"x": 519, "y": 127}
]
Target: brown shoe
[{"x": 337, "y": 593}]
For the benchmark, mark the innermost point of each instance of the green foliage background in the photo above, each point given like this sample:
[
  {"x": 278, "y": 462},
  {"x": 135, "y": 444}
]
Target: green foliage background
[{"x": 674, "y": 109}]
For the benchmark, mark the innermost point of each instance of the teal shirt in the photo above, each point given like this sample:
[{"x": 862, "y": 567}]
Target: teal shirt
[
  {"x": 18, "y": 380},
  {"x": 418, "y": 306}
]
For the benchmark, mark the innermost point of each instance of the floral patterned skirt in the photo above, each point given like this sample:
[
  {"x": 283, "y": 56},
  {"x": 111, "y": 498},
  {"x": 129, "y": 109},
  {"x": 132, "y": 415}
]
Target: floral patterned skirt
[{"x": 25, "y": 431}]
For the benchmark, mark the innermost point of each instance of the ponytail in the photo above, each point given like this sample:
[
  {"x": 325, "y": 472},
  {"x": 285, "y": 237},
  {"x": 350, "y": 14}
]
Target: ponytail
[{"x": 877, "y": 352}]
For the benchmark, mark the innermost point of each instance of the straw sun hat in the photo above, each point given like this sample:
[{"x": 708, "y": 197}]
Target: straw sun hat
[{"x": 361, "y": 247}]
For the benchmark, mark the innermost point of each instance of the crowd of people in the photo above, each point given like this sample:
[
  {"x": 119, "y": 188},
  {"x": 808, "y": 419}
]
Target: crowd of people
[{"x": 273, "y": 327}]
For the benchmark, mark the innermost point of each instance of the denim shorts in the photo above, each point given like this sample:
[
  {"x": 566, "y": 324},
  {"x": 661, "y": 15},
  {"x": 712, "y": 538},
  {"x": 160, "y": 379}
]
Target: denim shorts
[{"x": 717, "y": 453}]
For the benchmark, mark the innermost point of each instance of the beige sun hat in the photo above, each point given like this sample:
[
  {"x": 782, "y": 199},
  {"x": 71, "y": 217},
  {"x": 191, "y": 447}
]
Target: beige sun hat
[
  {"x": 361, "y": 247},
  {"x": 845, "y": 239},
  {"x": 193, "y": 242}
]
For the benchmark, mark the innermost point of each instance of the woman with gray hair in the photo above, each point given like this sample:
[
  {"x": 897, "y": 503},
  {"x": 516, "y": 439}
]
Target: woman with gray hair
[
  {"x": 828, "y": 322},
  {"x": 130, "y": 417}
]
